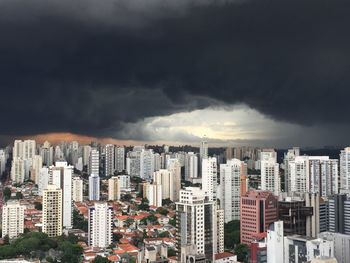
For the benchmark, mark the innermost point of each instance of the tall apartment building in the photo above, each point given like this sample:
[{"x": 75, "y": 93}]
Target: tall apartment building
[
  {"x": 289, "y": 157},
  {"x": 61, "y": 175},
  {"x": 113, "y": 188},
  {"x": 318, "y": 222},
  {"x": 230, "y": 188},
  {"x": 124, "y": 181},
  {"x": 173, "y": 165},
  {"x": 24, "y": 149},
  {"x": 339, "y": 214},
  {"x": 94, "y": 162},
  {"x": 258, "y": 210},
  {"x": 345, "y": 168},
  {"x": 77, "y": 189},
  {"x": 18, "y": 170},
  {"x": 164, "y": 178},
  {"x": 314, "y": 174},
  {"x": 119, "y": 155},
  {"x": 52, "y": 211},
  {"x": 12, "y": 219},
  {"x": 196, "y": 229},
  {"x": 109, "y": 160},
  {"x": 94, "y": 187},
  {"x": 146, "y": 164},
  {"x": 209, "y": 177},
  {"x": 191, "y": 166},
  {"x": 341, "y": 245},
  {"x": 3, "y": 160},
  {"x": 203, "y": 150},
  {"x": 100, "y": 225},
  {"x": 36, "y": 166},
  {"x": 270, "y": 180},
  {"x": 153, "y": 193}
]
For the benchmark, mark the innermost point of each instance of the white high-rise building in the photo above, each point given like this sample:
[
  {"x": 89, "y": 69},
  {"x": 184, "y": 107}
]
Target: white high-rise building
[
  {"x": 203, "y": 150},
  {"x": 230, "y": 188},
  {"x": 18, "y": 170},
  {"x": 52, "y": 211},
  {"x": 196, "y": 228},
  {"x": 133, "y": 163},
  {"x": 24, "y": 149},
  {"x": 119, "y": 159},
  {"x": 345, "y": 168},
  {"x": 270, "y": 180},
  {"x": 94, "y": 187},
  {"x": 86, "y": 154},
  {"x": 191, "y": 166},
  {"x": 109, "y": 159},
  {"x": 314, "y": 174},
  {"x": 174, "y": 167},
  {"x": 289, "y": 157},
  {"x": 77, "y": 189},
  {"x": 44, "y": 180},
  {"x": 209, "y": 177},
  {"x": 275, "y": 245},
  {"x": 62, "y": 177},
  {"x": 157, "y": 162},
  {"x": 124, "y": 182},
  {"x": 94, "y": 162},
  {"x": 146, "y": 164},
  {"x": 113, "y": 188},
  {"x": 46, "y": 152},
  {"x": 164, "y": 178},
  {"x": 12, "y": 219},
  {"x": 100, "y": 225},
  {"x": 220, "y": 229},
  {"x": 153, "y": 192},
  {"x": 36, "y": 166}
]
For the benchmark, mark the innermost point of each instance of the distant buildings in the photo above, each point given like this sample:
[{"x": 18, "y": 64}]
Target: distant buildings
[
  {"x": 209, "y": 177},
  {"x": 191, "y": 166},
  {"x": 119, "y": 156},
  {"x": 94, "y": 162},
  {"x": 114, "y": 188},
  {"x": 153, "y": 193},
  {"x": 345, "y": 168},
  {"x": 109, "y": 160},
  {"x": 77, "y": 189}
]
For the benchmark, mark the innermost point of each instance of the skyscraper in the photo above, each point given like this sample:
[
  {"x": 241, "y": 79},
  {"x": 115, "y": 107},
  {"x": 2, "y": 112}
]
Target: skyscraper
[
  {"x": 94, "y": 162},
  {"x": 77, "y": 189},
  {"x": 113, "y": 188},
  {"x": 94, "y": 187},
  {"x": 119, "y": 158},
  {"x": 164, "y": 178},
  {"x": 203, "y": 150},
  {"x": 230, "y": 189},
  {"x": 345, "y": 168},
  {"x": 209, "y": 177},
  {"x": 174, "y": 167},
  {"x": 12, "y": 219},
  {"x": 146, "y": 164},
  {"x": 153, "y": 193},
  {"x": 196, "y": 230},
  {"x": 100, "y": 225},
  {"x": 191, "y": 166},
  {"x": 52, "y": 211},
  {"x": 36, "y": 166},
  {"x": 270, "y": 180},
  {"x": 62, "y": 177},
  {"x": 258, "y": 210},
  {"x": 288, "y": 157},
  {"x": 18, "y": 170},
  {"x": 109, "y": 159}
]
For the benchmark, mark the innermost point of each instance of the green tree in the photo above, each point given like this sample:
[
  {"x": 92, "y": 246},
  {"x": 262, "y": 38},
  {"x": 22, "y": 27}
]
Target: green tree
[
  {"x": 232, "y": 234},
  {"x": 19, "y": 195},
  {"x": 79, "y": 222},
  {"x": 126, "y": 197},
  {"x": 117, "y": 237},
  {"x": 7, "y": 193},
  {"x": 241, "y": 250},
  {"x": 171, "y": 252},
  {"x": 164, "y": 234},
  {"x": 144, "y": 205},
  {"x": 163, "y": 211},
  {"x": 38, "y": 206},
  {"x": 99, "y": 259},
  {"x": 166, "y": 202}
]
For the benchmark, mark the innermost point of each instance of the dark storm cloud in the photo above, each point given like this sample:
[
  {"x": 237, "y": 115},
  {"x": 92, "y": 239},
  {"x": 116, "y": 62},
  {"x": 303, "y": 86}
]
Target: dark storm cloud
[{"x": 89, "y": 66}]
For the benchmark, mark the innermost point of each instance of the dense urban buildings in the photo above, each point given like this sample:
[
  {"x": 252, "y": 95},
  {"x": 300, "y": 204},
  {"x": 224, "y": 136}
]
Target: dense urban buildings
[
  {"x": 52, "y": 211},
  {"x": 12, "y": 219}
]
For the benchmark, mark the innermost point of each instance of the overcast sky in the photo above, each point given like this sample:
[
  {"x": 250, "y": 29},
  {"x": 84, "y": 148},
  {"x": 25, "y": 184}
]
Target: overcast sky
[{"x": 265, "y": 73}]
